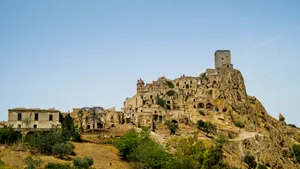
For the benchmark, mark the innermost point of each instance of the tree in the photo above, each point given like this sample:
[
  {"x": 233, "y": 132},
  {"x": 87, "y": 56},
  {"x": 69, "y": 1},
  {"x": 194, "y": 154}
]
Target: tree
[
  {"x": 171, "y": 92},
  {"x": 160, "y": 101},
  {"x": 261, "y": 166},
  {"x": 68, "y": 129},
  {"x": 57, "y": 166},
  {"x": 222, "y": 140},
  {"x": 239, "y": 124},
  {"x": 208, "y": 127},
  {"x": 63, "y": 149},
  {"x": 83, "y": 163},
  {"x": 8, "y": 135},
  {"x": 80, "y": 115},
  {"x": 34, "y": 162},
  {"x": 296, "y": 150},
  {"x": 170, "y": 84},
  {"x": 250, "y": 161},
  {"x": 93, "y": 114},
  {"x": 127, "y": 143},
  {"x": 172, "y": 126}
]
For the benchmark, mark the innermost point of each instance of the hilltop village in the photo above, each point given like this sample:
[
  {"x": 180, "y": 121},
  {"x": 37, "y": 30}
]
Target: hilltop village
[
  {"x": 217, "y": 96},
  {"x": 153, "y": 103}
]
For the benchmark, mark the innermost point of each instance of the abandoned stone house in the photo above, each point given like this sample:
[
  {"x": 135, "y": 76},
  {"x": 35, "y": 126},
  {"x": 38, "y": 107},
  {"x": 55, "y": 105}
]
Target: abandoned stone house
[
  {"x": 33, "y": 118},
  {"x": 166, "y": 99},
  {"x": 103, "y": 118}
]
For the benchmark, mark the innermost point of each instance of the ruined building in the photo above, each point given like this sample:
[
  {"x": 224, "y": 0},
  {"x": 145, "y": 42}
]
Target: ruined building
[
  {"x": 176, "y": 99},
  {"x": 33, "y": 118}
]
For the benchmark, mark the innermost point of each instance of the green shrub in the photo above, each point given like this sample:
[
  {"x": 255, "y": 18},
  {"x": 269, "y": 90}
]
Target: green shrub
[
  {"x": 8, "y": 135},
  {"x": 150, "y": 153},
  {"x": 172, "y": 126},
  {"x": 239, "y": 124},
  {"x": 292, "y": 125},
  {"x": 170, "y": 84},
  {"x": 44, "y": 141},
  {"x": 261, "y": 166},
  {"x": 34, "y": 162},
  {"x": 69, "y": 131},
  {"x": 222, "y": 139},
  {"x": 208, "y": 127},
  {"x": 202, "y": 112},
  {"x": 160, "y": 101},
  {"x": 127, "y": 143},
  {"x": 57, "y": 166},
  {"x": 250, "y": 161},
  {"x": 62, "y": 149},
  {"x": 83, "y": 163},
  {"x": 296, "y": 149},
  {"x": 230, "y": 135},
  {"x": 171, "y": 92}
]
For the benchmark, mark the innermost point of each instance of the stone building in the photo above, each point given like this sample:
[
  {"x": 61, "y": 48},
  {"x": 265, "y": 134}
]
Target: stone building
[
  {"x": 33, "y": 118},
  {"x": 103, "y": 118},
  {"x": 174, "y": 100}
]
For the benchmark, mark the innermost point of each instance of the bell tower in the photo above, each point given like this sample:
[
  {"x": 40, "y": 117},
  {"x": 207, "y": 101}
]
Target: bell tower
[{"x": 223, "y": 59}]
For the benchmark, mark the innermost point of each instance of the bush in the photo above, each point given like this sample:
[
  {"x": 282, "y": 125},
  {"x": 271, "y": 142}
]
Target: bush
[
  {"x": 150, "y": 153},
  {"x": 171, "y": 92},
  {"x": 261, "y": 166},
  {"x": 34, "y": 162},
  {"x": 172, "y": 126},
  {"x": 222, "y": 139},
  {"x": 230, "y": 135},
  {"x": 8, "y": 136},
  {"x": 292, "y": 125},
  {"x": 170, "y": 84},
  {"x": 43, "y": 142},
  {"x": 239, "y": 124},
  {"x": 57, "y": 166},
  {"x": 202, "y": 112},
  {"x": 127, "y": 143},
  {"x": 208, "y": 127},
  {"x": 160, "y": 101},
  {"x": 83, "y": 163},
  {"x": 62, "y": 149},
  {"x": 296, "y": 149},
  {"x": 250, "y": 161},
  {"x": 69, "y": 131}
]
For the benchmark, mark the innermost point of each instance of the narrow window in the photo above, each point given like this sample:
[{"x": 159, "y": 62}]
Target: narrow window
[
  {"x": 112, "y": 117},
  {"x": 36, "y": 117},
  {"x": 50, "y": 117},
  {"x": 19, "y": 116}
]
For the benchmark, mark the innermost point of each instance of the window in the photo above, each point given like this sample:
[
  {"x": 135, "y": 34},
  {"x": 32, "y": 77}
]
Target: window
[
  {"x": 19, "y": 116},
  {"x": 112, "y": 117},
  {"x": 36, "y": 117},
  {"x": 50, "y": 117},
  {"x": 19, "y": 126},
  {"x": 35, "y": 126}
]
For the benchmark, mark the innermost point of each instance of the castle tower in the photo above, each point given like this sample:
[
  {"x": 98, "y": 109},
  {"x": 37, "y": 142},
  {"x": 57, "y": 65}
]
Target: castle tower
[
  {"x": 223, "y": 59},
  {"x": 140, "y": 85}
]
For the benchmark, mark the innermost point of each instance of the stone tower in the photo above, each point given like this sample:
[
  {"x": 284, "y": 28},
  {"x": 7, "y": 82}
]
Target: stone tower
[
  {"x": 140, "y": 85},
  {"x": 223, "y": 59}
]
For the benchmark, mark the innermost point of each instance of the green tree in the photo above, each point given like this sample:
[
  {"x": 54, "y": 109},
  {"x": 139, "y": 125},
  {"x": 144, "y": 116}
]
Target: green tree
[
  {"x": 172, "y": 126},
  {"x": 9, "y": 136},
  {"x": 208, "y": 127},
  {"x": 43, "y": 141},
  {"x": 57, "y": 166},
  {"x": 80, "y": 115},
  {"x": 170, "y": 84},
  {"x": 222, "y": 139},
  {"x": 250, "y": 161},
  {"x": 261, "y": 166},
  {"x": 127, "y": 143},
  {"x": 63, "y": 149},
  {"x": 239, "y": 124},
  {"x": 296, "y": 150},
  {"x": 212, "y": 158},
  {"x": 150, "y": 153},
  {"x": 171, "y": 92},
  {"x": 33, "y": 161},
  {"x": 68, "y": 129},
  {"x": 160, "y": 101},
  {"x": 83, "y": 163}
]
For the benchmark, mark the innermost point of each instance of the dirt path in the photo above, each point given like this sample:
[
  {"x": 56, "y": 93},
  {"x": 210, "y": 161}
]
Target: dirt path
[
  {"x": 103, "y": 155},
  {"x": 245, "y": 135}
]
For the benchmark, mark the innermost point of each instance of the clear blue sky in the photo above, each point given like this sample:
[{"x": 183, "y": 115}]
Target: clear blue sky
[{"x": 67, "y": 54}]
